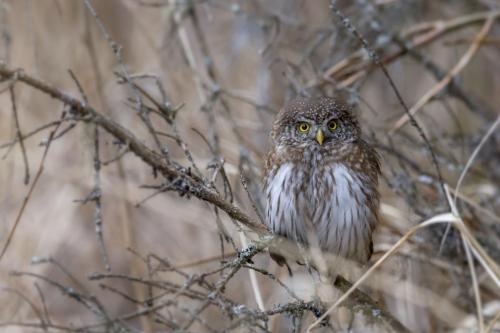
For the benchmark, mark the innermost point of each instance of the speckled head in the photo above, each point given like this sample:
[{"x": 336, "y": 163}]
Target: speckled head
[{"x": 333, "y": 118}]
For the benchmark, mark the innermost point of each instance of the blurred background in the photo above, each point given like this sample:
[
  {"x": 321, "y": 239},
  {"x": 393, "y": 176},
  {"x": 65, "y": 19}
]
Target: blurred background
[{"x": 227, "y": 67}]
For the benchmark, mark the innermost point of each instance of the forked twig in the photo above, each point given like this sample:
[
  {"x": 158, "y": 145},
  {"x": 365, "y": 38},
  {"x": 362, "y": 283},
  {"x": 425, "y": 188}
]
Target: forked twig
[{"x": 30, "y": 191}]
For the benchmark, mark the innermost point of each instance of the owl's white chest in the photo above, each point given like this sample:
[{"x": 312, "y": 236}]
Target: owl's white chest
[{"x": 328, "y": 204}]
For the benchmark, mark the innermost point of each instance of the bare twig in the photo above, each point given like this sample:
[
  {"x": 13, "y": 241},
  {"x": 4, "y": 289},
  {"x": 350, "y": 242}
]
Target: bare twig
[
  {"x": 19, "y": 135},
  {"x": 30, "y": 191},
  {"x": 373, "y": 55},
  {"x": 87, "y": 113}
]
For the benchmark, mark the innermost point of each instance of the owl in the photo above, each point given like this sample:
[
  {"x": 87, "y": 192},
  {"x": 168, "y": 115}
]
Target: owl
[{"x": 321, "y": 179}]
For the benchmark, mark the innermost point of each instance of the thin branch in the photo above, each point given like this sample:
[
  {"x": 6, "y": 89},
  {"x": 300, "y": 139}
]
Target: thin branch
[
  {"x": 35, "y": 309},
  {"x": 19, "y": 135},
  {"x": 30, "y": 134},
  {"x": 375, "y": 58},
  {"x": 30, "y": 191},
  {"x": 86, "y": 113}
]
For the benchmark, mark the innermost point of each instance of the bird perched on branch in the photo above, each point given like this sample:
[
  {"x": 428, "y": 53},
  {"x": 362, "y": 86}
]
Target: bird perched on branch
[{"x": 321, "y": 179}]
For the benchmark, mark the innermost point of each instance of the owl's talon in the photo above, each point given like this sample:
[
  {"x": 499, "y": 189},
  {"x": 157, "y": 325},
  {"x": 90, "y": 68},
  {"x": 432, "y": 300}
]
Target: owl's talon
[{"x": 281, "y": 261}]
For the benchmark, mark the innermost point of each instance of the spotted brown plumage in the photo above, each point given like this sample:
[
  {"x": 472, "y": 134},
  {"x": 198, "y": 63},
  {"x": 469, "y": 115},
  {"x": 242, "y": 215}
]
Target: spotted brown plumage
[{"x": 321, "y": 178}]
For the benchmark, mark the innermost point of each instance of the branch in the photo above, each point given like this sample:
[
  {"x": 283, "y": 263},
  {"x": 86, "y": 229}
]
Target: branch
[
  {"x": 190, "y": 183},
  {"x": 361, "y": 302}
]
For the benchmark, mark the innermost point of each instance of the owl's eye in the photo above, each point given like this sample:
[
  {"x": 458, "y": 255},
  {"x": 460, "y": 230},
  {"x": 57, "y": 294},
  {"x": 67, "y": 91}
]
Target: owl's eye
[
  {"x": 332, "y": 125},
  {"x": 303, "y": 127}
]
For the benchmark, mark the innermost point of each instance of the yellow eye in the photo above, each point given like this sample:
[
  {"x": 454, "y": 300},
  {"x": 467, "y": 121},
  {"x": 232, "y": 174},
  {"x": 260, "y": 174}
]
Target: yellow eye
[
  {"x": 303, "y": 127},
  {"x": 332, "y": 125}
]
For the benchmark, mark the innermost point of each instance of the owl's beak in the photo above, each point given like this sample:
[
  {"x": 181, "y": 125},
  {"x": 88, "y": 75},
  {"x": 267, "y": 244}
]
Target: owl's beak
[{"x": 320, "y": 137}]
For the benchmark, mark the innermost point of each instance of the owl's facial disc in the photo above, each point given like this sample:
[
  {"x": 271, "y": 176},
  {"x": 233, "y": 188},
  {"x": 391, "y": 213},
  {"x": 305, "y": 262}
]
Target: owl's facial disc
[{"x": 319, "y": 124}]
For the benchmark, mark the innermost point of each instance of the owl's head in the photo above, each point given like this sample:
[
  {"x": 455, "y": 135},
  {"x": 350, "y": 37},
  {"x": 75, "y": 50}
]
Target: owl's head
[{"x": 316, "y": 121}]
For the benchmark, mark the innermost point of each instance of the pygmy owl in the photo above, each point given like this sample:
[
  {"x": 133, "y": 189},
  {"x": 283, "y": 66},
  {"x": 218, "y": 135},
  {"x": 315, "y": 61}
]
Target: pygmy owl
[{"x": 321, "y": 179}]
